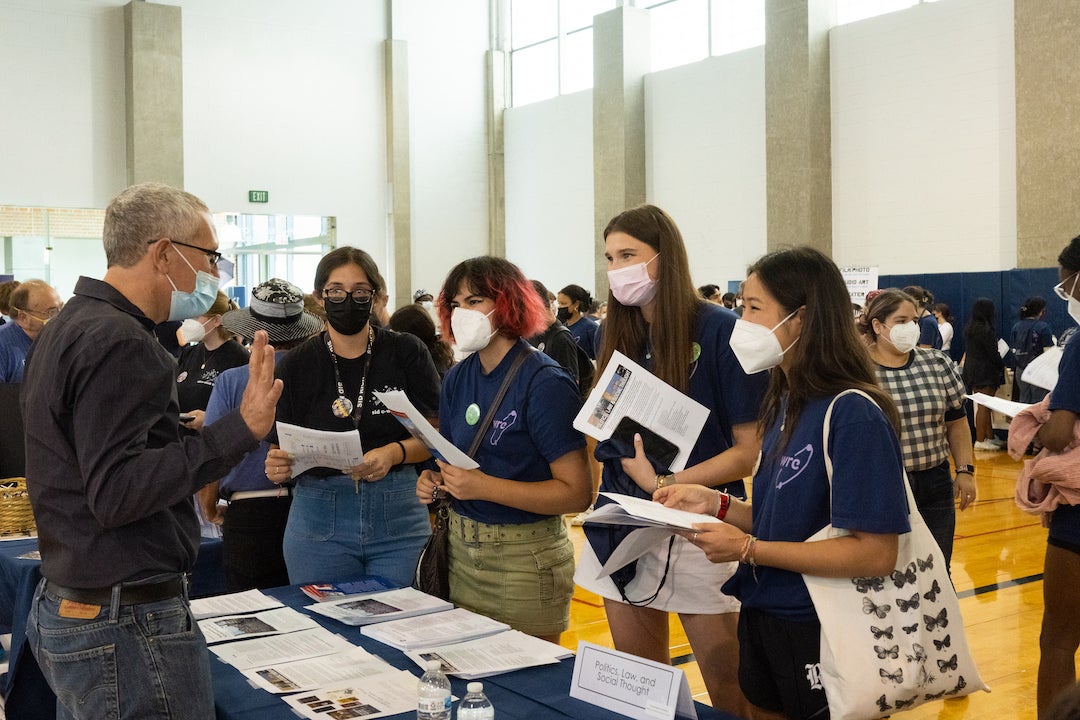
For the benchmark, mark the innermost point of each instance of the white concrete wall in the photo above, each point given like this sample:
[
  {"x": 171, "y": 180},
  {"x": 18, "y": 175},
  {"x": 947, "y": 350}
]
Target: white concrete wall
[
  {"x": 62, "y": 115},
  {"x": 924, "y": 139},
  {"x": 705, "y": 130},
  {"x": 549, "y": 190}
]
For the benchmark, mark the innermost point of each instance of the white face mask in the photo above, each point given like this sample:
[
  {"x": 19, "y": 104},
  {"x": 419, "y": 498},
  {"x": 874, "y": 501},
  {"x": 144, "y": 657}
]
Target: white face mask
[
  {"x": 904, "y": 336},
  {"x": 756, "y": 347},
  {"x": 632, "y": 285},
  {"x": 192, "y": 331},
  {"x": 472, "y": 329},
  {"x": 427, "y": 304}
]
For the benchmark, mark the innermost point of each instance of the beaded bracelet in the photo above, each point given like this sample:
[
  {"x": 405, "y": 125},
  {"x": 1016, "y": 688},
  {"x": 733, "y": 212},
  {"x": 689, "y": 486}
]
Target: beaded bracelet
[{"x": 725, "y": 503}]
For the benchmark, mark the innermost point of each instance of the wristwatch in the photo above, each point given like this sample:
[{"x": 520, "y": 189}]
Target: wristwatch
[{"x": 969, "y": 469}]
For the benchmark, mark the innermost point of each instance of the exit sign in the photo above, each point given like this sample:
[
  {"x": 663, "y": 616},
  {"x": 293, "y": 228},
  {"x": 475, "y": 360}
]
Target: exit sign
[{"x": 258, "y": 196}]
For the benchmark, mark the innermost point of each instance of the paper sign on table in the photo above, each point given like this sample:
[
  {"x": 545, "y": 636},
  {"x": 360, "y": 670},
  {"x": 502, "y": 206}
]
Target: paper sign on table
[{"x": 630, "y": 685}]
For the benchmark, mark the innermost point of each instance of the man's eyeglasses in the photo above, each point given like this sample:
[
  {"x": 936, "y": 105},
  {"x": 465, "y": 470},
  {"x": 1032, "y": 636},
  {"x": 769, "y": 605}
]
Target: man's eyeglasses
[
  {"x": 48, "y": 314},
  {"x": 1060, "y": 290},
  {"x": 212, "y": 256},
  {"x": 360, "y": 296}
]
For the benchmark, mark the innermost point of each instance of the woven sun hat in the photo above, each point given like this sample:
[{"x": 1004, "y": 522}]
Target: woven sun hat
[
  {"x": 420, "y": 294},
  {"x": 277, "y": 306}
]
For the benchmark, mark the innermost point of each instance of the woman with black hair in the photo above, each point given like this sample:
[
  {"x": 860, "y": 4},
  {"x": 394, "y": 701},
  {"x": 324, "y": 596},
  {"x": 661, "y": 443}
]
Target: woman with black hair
[
  {"x": 1060, "y": 635},
  {"x": 1030, "y": 336},
  {"x": 415, "y": 320},
  {"x": 798, "y": 322},
  {"x": 984, "y": 370},
  {"x": 929, "y": 334},
  {"x": 362, "y": 520},
  {"x": 944, "y": 316},
  {"x": 575, "y": 303}
]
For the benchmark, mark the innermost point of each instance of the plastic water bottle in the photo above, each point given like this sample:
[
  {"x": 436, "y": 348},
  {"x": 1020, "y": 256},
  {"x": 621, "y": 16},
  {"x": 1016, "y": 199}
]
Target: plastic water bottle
[
  {"x": 433, "y": 694},
  {"x": 475, "y": 705}
]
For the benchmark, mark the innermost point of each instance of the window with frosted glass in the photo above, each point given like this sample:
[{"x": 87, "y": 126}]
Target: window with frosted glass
[
  {"x": 679, "y": 31},
  {"x": 576, "y": 61},
  {"x": 736, "y": 25},
  {"x": 535, "y": 73},
  {"x": 532, "y": 21}
]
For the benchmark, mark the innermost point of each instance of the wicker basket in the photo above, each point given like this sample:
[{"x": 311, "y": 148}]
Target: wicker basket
[{"x": 16, "y": 517}]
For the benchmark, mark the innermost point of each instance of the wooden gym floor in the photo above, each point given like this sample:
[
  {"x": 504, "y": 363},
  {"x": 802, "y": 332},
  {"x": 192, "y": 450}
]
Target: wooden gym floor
[{"x": 997, "y": 570}]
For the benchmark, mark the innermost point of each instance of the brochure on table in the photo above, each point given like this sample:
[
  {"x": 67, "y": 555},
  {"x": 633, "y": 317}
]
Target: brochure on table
[
  {"x": 258, "y": 652},
  {"x": 317, "y": 672},
  {"x": 393, "y": 694},
  {"x": 630, "y": 685},
  {"x": 320, "y": 448},
  {"x": 241, "y": 602},
  {"x": 406, "y": 413},
  {"x": 269, "y": 622},
  {"x": 626, "y": 389},
  {"x": 380, "y": 607},
  {"x": 442, "y": 628},
  {"x": 503, "y": 652}
]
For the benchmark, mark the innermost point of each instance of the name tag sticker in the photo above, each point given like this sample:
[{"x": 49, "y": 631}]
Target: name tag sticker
[
  {"x": 630, "y": 685},
  {"x": 78, "y": 610}
]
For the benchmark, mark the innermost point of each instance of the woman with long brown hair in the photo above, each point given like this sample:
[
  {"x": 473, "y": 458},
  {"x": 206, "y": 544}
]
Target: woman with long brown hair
[{"x": 656, "y": 317}]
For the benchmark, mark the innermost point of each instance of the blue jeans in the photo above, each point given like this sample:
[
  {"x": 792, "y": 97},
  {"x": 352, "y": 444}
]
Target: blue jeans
[
  {"x": 933, "y": 491},
  {"x": 338, "y": 531},
  {"x": 130, "y": 661}
]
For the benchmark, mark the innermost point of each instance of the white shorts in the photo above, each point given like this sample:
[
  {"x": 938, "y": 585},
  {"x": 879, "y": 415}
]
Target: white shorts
[{"x": 692, "y": 585}]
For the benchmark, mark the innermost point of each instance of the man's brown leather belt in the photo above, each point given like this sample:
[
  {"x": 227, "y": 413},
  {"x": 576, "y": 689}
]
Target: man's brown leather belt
[{"x": 129, "y": 594}]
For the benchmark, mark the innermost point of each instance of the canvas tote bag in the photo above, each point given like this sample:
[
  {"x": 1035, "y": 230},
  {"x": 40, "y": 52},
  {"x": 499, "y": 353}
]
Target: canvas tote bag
[{"x": 893, "y": 642}]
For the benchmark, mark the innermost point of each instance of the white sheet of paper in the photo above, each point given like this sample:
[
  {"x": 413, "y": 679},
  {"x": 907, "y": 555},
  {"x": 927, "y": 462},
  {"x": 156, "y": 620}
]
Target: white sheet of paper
[
  {"x": 280, "y": 648},
  {"x": 320, "y": 448},
  {"x": 630, "y": 685},
  {"x": 1001, "y": 405},
  {"x": 406, "y": 413},
  {"x": 393, "y": 694},
  {"x": 491, "y": 655},
  {"x": 311, "y": 673},
  {"x": 443, "y": 628},
  {"x": 627, "y": 389},
  {"x": 233, "y": 603},
  {"x": 629, "y": 510},
  {"x": 1043, "y": 370},
  {"x": 269, "y": 622},
  {"x": 380, "y": 607},
  {"x": 1003, "y": 347}
]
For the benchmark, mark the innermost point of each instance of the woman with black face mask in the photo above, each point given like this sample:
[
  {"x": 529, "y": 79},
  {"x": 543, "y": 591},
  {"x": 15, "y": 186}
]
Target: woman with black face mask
[
  {"x": 363, "y": 520},
  {"x": 574, "y": 302}
]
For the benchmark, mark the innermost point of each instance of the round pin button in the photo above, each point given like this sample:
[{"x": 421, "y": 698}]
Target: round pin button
[{"x": 472, "y": 414}]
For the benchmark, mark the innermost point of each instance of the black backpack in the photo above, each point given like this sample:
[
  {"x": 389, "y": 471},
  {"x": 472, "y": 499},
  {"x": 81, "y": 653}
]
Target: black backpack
[{"x": 1026, "y": 347}]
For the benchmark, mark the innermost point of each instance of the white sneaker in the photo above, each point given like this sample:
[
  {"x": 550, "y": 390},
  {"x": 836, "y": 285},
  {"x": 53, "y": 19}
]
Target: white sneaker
[{"x": 988, "y": 445}]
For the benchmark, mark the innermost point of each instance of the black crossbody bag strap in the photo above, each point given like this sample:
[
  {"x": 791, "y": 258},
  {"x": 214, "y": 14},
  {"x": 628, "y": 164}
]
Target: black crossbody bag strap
[{"x": 490, "y": 416}]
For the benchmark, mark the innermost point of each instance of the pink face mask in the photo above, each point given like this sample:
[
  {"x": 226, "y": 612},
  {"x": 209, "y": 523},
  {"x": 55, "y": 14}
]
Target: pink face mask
[{"x": 632, "y": 285}]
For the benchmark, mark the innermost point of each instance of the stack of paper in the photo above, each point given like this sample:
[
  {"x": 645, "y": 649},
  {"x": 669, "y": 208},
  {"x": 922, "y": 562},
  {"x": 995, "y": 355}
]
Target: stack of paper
[
  {"x": 444, "y": 628},
  {"x": 380, "y": 606},
  {"x": 324, "y": 592},
  {"x": 242, "y": 602},
  {"x": 316, "y": 672},
  {"x": 491, "y": 655},
  {"x": 393, "y": 694},
  {"x": 271, "y": 622},
  {"x": 247, "y": 654}
]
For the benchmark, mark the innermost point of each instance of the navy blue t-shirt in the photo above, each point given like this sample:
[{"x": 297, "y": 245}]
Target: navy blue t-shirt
[
  {"x": 1065, "y": 520},
  {"x": 929, "y": 333},
  {"x": 532, "y": 427},
  {"x": 792, "y": 498},
  {"x": 584, "y": 332}
]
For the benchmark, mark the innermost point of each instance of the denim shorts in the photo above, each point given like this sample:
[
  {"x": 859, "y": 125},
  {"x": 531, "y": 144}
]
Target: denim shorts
[
  {"x": 339, "y": 530},
  {"x": 145, "y": 660},
  {"x": 522, "y": 575}
]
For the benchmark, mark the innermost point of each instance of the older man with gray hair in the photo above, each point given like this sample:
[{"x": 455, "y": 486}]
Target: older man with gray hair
[{"x": 110, "y": 479}]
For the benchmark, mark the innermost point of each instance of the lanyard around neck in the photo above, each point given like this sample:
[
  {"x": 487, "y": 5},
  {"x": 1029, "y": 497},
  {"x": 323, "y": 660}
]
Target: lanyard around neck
[{"x": 342, "y": 407}]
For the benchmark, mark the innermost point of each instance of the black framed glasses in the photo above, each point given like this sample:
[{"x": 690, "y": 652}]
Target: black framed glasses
[
  {"x": 360, "y": 296},
  {"x": 1060, "y": 290},
  {"x": 212, "y": 256}
]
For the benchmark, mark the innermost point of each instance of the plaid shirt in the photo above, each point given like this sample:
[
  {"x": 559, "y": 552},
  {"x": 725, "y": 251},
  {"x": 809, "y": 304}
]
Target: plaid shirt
[{"x": 929, "y": 392}]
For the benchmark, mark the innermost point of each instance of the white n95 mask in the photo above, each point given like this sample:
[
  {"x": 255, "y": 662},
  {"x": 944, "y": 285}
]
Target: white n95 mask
[{"x": 756, "y": 347}]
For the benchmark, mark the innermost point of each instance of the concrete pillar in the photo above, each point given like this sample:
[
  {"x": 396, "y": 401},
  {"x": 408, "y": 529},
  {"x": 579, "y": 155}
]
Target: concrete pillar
[
  {"x": 398, "y": 167},
  {"x": 1047, "y": 129},
  {"x": 621, "y": 59},
  {"x": 153, "y": 59},
  {"x": 797, "y": 123}
]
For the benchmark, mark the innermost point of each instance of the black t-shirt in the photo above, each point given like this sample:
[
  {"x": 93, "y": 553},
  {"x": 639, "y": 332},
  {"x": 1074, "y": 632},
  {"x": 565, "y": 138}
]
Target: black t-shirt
[
  {"x": 399, "y": 361},
  {"x": 197, "y": 370}
]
